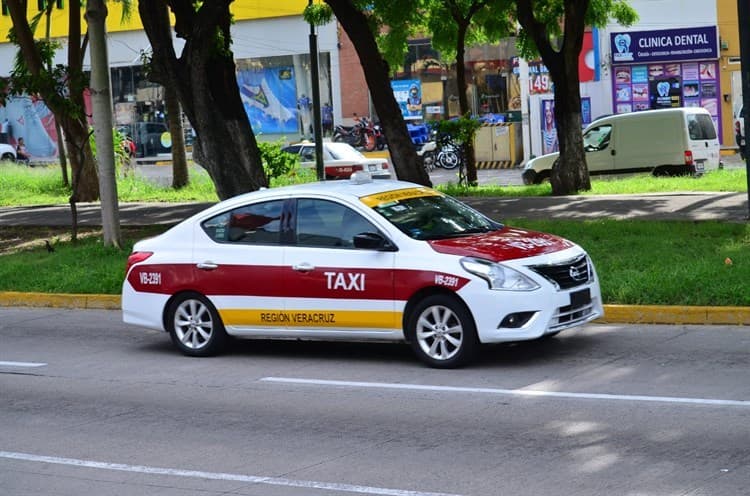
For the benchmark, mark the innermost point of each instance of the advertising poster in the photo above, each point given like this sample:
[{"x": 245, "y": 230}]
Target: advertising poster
[
  {"x": 29, "y": 118},
  {"x": 550, "y": 143},
  {"x": 408, "y": 94},
  {"x": 269, "y": 97}
]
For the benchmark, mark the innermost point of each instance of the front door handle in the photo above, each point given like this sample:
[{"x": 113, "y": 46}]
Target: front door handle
[
  {"x": 614, "y": 152},
  {"x": 207, "y": 266},
  {"x": 303, "y": 267}
]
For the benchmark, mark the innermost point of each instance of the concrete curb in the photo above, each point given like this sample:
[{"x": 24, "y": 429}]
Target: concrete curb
[{"x": 613, "y": 314}]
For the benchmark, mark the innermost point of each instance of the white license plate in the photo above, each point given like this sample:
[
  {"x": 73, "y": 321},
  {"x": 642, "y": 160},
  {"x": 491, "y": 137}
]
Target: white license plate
[
  {"x": 373, "y": 167},
  {"x": 699, "y": 166}
]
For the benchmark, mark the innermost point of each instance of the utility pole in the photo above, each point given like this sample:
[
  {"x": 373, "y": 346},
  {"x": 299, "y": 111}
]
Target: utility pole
[{"x": 743, "y": 18}]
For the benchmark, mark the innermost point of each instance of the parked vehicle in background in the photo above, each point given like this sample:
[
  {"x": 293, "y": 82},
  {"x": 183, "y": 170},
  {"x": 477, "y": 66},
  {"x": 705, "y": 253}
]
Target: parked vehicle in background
[
  {"x": 150, "y": 138},
  {"x": 665, "y": 142},
  {"x": 739, "y": 131},
  {"x": 340, "y": 160},
  {"x": 7, "y": 152},
  {"x": 357, "y": 260}
]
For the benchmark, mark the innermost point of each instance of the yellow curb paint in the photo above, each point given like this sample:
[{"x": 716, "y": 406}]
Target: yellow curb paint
[
  {"x": 660, "y": 314},
  {"x": 613, "y": 314},
  {"x": 59, "y": 300}
]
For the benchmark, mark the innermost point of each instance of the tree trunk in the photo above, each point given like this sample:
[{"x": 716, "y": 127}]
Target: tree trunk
[
  {"x": 179, "y": 157},
  {"x": 101, "y": 106},
  {"x": 570, "y": 173},
  {"x": 205, "y": 80},
  {"x": 403, "y": 153},
  {"x": 463, "y": 102},
  {"x": 85, "y": 183}
]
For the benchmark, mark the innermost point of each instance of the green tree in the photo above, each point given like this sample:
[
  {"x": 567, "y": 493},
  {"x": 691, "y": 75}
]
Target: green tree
[
  {"x": 554, "y": 29},
  {"x": 204, "y": 78},
  {"x": 61, "y": 88},
  {"x": 366, "y": 22},
  {"x": 456, "y": 24}
]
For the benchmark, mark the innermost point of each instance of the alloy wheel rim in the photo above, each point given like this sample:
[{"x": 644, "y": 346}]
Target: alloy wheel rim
[
  {"x": 439, "y": 333},
  {"x": 193, "y": 324}
]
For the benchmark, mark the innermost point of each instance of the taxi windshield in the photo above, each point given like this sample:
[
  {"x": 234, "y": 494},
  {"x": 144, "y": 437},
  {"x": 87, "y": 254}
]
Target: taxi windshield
[{"x": 434, "y": 217}]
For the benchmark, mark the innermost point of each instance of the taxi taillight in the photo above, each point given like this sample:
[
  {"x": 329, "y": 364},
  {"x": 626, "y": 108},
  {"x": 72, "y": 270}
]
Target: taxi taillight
[
  {"x": 137, "y": 257},
  {"x": 385, "y": 165}
]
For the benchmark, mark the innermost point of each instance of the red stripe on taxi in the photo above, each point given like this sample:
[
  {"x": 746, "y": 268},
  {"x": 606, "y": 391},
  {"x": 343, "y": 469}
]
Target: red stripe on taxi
[{"x": 278, "y": 281}]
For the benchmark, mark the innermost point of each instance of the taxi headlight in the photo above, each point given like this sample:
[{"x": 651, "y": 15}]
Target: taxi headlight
[{"x": 498, "y": 276}]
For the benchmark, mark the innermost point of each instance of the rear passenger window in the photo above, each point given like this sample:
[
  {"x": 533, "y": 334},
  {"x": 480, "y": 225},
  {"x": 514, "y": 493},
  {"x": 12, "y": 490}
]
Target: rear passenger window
[
  {"x": 701, "y": 127},
  {"x": 260, "y": 223}
]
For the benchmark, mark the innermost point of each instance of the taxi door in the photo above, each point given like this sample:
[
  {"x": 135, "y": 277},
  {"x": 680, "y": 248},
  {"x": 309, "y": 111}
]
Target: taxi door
[
  {"x": 334, "y": 289},
  {"x": 237, "y": 265}
]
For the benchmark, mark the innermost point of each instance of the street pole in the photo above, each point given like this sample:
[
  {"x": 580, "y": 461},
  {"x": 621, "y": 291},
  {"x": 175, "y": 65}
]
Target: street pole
[
  {"x": 317, "y": 126},
  {"x": 743, "y": 18},
  {"x": 444, "y": 81}
]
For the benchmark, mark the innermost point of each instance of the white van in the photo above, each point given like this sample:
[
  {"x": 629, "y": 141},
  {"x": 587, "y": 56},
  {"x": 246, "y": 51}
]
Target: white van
[{"x": 675, "y": 141}]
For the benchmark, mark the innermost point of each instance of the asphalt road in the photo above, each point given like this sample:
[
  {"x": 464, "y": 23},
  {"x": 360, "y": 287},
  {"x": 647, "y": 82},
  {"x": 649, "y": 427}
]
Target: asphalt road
[{"x": 91, "y": 406}]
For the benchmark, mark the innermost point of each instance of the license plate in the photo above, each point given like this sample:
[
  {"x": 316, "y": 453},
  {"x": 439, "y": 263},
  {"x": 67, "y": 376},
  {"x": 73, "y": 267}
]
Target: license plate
[
  {"x": 700, "y": 165},
  {"x": 373, "y": 167},
  {"x": 580, "y": 298}
]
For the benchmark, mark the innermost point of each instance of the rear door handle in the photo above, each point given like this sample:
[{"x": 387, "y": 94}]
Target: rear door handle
[
  {"x": 207, "y": 266},
  {"x": 303, "y": 267}
]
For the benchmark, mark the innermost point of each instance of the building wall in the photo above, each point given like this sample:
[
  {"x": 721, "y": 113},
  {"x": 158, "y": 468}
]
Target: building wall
[
  {"x": 731, "y": 83},
  {"x": 355, "y": 95}
]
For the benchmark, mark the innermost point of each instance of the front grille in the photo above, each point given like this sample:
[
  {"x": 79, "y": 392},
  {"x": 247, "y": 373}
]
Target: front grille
[{"x": 568, "y": 274}]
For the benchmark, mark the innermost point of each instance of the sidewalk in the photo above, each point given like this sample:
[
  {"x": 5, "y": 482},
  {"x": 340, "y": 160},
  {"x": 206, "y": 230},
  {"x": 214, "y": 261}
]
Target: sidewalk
[{"x": 730, "y": 207}]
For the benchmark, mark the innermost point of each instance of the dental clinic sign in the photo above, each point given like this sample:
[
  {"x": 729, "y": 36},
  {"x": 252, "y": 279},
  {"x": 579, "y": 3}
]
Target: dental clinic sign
[{"x": 665, "y": 45}]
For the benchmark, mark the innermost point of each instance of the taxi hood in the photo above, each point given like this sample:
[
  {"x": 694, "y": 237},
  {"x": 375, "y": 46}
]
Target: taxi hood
[{"x": 508, "y": 243}]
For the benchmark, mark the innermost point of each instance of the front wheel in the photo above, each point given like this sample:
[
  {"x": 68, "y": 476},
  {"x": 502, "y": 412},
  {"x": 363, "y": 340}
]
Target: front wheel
[
  {"x": 7, "y": 156},
  {"x": 195, "y": 326},
  {"x": 442, "y": 332}
]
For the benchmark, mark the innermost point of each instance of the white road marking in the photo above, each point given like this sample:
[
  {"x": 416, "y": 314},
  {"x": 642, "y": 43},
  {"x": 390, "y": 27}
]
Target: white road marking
[
  {"x": 198, "y": 474},
  {"x": 22, "y": 364},
  {"x": 511, "y": 392}
]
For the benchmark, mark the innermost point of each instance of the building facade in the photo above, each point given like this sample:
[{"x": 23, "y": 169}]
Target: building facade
[{"x": 271, "y": 48}]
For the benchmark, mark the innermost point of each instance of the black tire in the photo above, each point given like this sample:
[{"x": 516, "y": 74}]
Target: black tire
[
  {"x": 7, "y": 156},
  {"x": 442, "y": 332},
  {"x": 337, "y": 138},
  {"x": 448, "y": 159},
  {"x": 542, "y": 177},
  {"x": 195, "y": 326}
]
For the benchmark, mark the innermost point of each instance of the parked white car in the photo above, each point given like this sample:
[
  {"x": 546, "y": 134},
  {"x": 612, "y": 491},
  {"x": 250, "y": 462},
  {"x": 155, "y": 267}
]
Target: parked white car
[
  {"x": 340, "y": 160},
  {"x": 7, "y": 152}
]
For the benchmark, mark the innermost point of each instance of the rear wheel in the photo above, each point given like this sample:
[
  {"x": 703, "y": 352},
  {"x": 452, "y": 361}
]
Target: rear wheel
[
  {"x": 195, "y": 326},
  {"x": 7, "y": 156},
  {"x": 442, "y": 332}
]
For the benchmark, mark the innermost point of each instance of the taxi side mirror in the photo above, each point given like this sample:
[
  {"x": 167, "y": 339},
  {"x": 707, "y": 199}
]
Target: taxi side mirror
[{"x": 373, "y": 241}]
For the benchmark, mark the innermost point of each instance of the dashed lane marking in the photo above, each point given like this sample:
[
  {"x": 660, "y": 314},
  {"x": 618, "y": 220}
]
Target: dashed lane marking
[{"x": 512, "y": 392}]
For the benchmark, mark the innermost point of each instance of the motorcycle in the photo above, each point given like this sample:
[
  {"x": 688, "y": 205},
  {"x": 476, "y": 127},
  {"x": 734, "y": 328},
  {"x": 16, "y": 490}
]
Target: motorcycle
[
  {"x": 360, "y": 135},
  {"x": 380, "y": 141},
  {"x": 440, "y": 152}
]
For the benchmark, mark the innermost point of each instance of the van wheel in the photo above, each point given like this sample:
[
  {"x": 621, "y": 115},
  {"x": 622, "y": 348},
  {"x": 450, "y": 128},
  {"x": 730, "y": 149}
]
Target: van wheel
[{"x": 542, "y": 178}]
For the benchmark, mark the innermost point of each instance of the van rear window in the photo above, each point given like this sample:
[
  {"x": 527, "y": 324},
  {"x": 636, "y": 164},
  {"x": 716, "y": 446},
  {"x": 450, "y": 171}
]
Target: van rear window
[{"x": 701, "y": 127}]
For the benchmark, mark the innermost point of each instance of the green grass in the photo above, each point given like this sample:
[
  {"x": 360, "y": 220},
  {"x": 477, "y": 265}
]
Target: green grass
[
  {"x": 639, "y": 262},
  {"x": 663, "y": 262},
  {"x": 43, "y": 186},
  {"x": 723, "y": 180}
]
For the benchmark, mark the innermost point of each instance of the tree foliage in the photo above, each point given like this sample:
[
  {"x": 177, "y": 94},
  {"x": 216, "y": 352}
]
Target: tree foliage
[{"x": 554, "y": 29}]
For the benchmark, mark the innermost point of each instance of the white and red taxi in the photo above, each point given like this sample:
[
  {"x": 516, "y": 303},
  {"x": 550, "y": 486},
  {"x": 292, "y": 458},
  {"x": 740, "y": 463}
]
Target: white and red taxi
[{"x": 359, "y": 260}]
